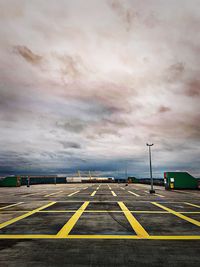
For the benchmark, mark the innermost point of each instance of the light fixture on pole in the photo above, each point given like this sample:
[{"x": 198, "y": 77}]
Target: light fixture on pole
[{"x": 151, "y": 191}]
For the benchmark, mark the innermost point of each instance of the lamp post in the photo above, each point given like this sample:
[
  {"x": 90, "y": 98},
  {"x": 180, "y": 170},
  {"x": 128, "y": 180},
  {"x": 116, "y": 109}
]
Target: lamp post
[{"x": 151, "y": 191}]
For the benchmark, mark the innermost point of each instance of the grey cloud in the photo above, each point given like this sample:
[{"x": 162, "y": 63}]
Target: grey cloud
[
  {"x": 70, "y": 145},
  {"x": 72, "y": 125},
  {"x": 125, "y": 13},
  {"x": 163, "y": 109},
  {"x": 27, "y": 54},
  {"x": 193, "y": 88},
  {"x": 107, "y": 74}
]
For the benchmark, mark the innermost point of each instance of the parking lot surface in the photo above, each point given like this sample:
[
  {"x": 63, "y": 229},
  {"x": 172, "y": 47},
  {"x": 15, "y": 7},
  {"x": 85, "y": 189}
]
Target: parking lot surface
[{"x": 99, "y": 225}]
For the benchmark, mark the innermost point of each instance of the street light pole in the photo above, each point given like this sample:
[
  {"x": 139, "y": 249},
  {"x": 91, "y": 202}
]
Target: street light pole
[{"x": 151, "y": 191}]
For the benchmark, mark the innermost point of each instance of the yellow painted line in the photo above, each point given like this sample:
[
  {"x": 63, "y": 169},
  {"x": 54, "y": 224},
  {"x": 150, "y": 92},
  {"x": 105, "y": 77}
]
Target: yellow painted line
[
  {"x": 195, "y": 222},
  {"x": 193, "y": 205},
  {"x": 101, "y": 211},
  {"x": 27, "y": 236},
  {"x": 93, "y": 193},
  {"x": 85, "y": 188},
  {"x": 103, "y": 237},
  {"x": 12, "y": 205},
  {"x": 2, "y": 225},
  {"x": 53, "y": 194},
  {"x": 137, "y": 227},
  {"x": 65, "y": 230},
  {"x": 194, "y": 237},
  {"x": 134, "y": 194},
  {"x": 73, "y": 193},
  {"x": 176, "y": 237},
  {"x": 122, "y": 188},
  {"x": 113, "y": 193}
]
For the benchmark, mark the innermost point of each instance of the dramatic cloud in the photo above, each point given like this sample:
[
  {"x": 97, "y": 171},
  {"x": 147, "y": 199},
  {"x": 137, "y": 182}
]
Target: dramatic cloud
[{"x": 85, "y": 84}]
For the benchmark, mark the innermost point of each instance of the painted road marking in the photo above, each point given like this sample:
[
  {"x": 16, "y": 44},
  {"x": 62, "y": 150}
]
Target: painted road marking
[
  {"x": 65, "y": 230},
  {"x": 12, "y": 205},
  {"x": 159, "y": 195},
  {"x": 73, "y": 193},
  {"x": 53, "y": 194},
  {"x": 92, "y": 211},
  {"x": 154, "y": 194},
  {"x": 137, "y": 227},
  {"x": 2, "y": 225},
  {"x": 193, "y": 205},
  {"x": 32, "y": 194},
  {"x": 177, "y": 214},
  {"x": 113, "y": 193},
  {"x": 93, "y": 193},
  {"x": 179, "y": 237},
  {"x": 134, "y": 194},
  {"x": 85, "y": 188},
  {"x": 122, "y": 188}
]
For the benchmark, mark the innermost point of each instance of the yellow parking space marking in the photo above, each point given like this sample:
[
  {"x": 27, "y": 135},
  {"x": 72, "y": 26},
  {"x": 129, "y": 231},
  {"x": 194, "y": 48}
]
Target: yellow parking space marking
[
  {"x": 73, "y": 193},
  {"x": 134, "y": 194},
  {"x": 137, "y": 227},
  {"x": 109, "y": 187},
  {"x": 194, "y": 237},
  {"x": 93, "y": 193},
  {"x": 63, "y": 233},
  {"x": 193, "y": 205},
  {"x": 113, "y": 193},
  {"x": 195, "y": 222},
  {"x": 12, "y": 205},
  {"x": 106, "y": 211},
  {"x": 2, "y": 225},
  {"x": 103, "y": 237},
  {"x": 52, "y": 194}
]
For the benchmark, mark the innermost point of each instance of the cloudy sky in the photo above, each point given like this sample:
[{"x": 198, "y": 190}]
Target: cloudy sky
[{"x": 84, "y": 84}]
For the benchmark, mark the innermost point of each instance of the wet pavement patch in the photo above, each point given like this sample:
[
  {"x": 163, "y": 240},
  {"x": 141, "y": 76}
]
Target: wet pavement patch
[
  {"x": 39, "y": 223},
  {"x": 166, "y": 224},
  {"x": 102, "y": 224}
]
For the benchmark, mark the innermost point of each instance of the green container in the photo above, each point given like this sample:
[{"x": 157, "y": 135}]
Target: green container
[
  {"x": 10, "y": 181},
  {"x": 180, "y": 180}
]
